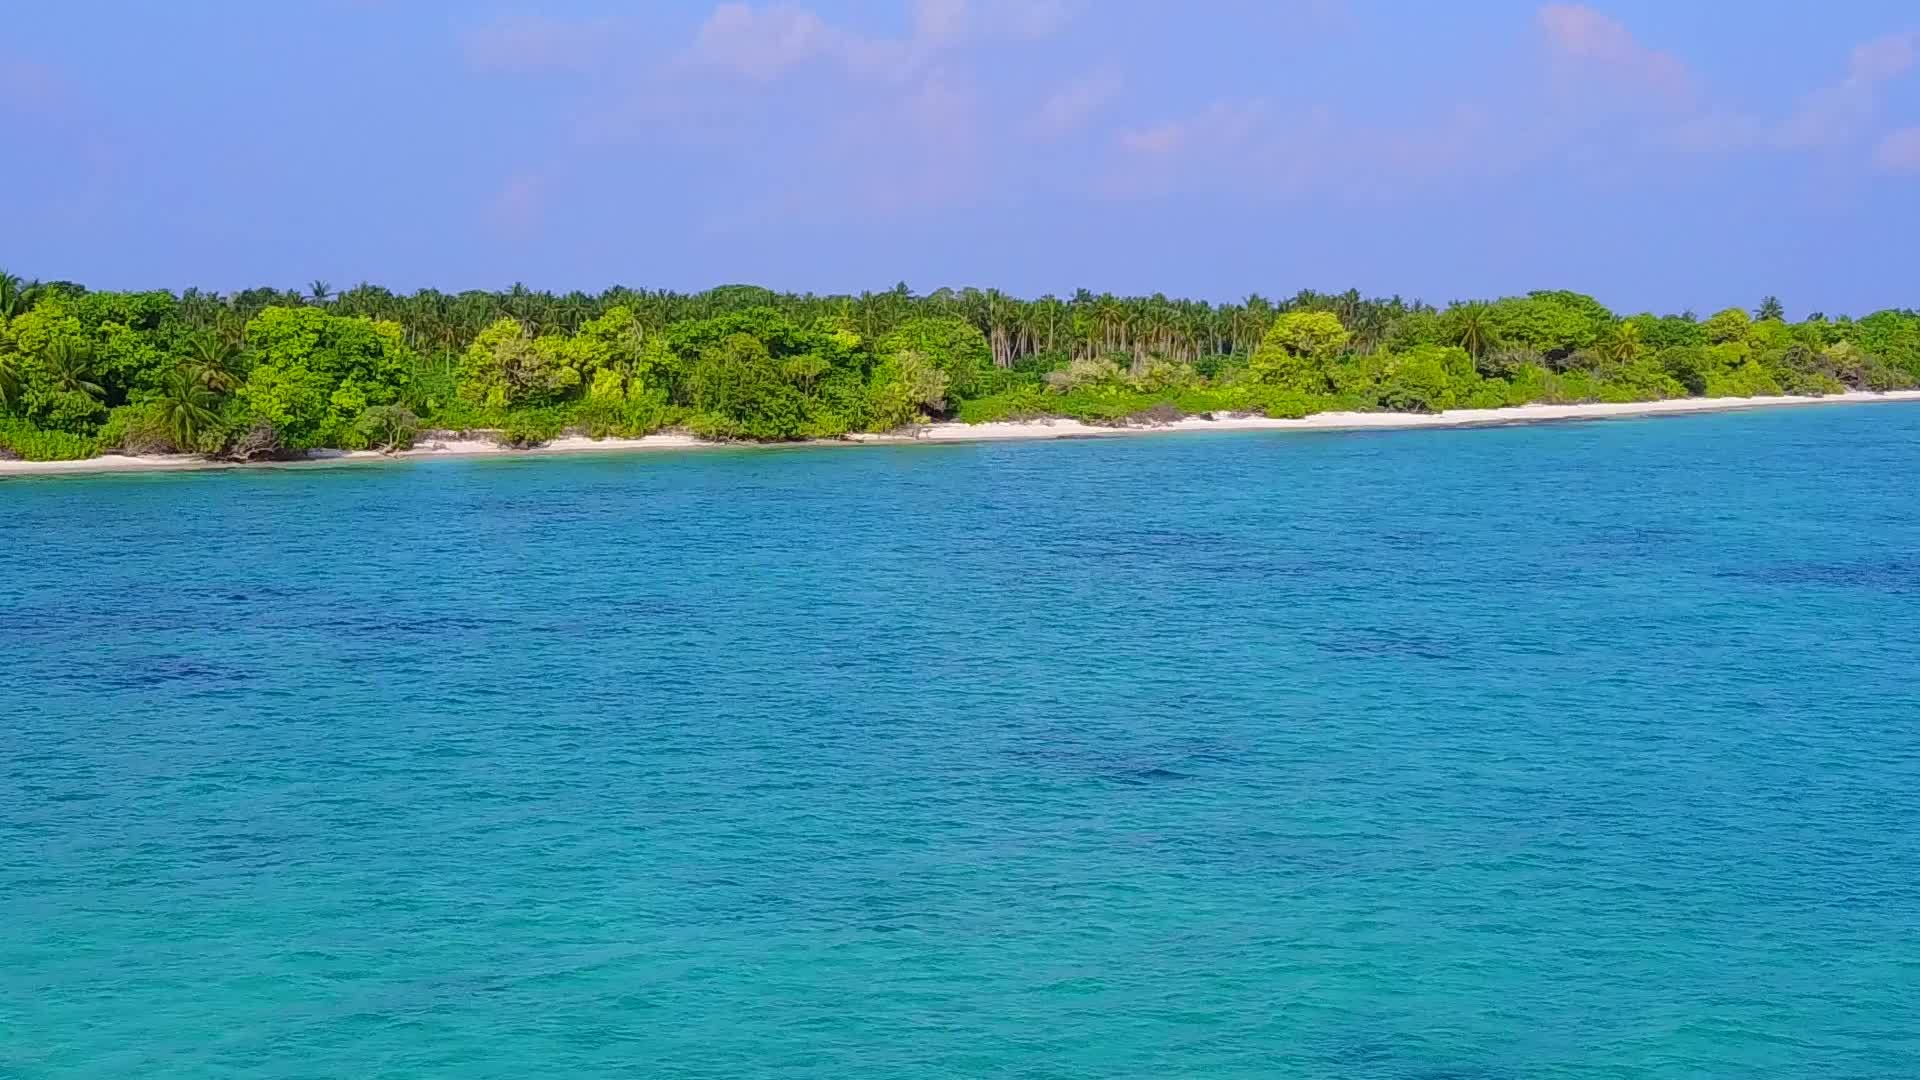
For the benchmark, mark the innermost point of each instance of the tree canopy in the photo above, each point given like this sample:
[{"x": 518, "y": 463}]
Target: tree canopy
[{"x": 266, "y": 370}]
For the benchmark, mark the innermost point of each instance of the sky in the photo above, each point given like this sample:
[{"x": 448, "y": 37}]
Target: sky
[{"x": 1659, "y": 155}]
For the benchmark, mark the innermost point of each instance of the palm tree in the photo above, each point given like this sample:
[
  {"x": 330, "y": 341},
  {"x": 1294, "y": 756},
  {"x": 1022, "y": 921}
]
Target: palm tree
[
  {"x": 14, "y": 296},
  {"x": 1770, "y": 308},
  {"x": 213, "y": 362},
  {"x": 188, "y": 408},
  {"x": 71, "y": 365},
  {"x": 1259, "y": 313},
  {"x": 1472, "y": 330},
  {"x": 320, "y": 290},
  {"x": 1621, "y": 342},
  {"x": 9, "y": 379},
  {"x": 1112, "y": 317}
]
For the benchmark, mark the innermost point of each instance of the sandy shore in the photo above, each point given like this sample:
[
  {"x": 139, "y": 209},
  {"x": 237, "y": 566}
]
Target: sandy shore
[{"x": 992, "y": 432}]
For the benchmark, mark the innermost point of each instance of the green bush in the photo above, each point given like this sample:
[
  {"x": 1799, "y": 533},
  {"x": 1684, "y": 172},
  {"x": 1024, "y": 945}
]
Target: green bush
[
  {"x": 1746, "y": 380},
  {"x": 1018, "y": 403},
  {"x": 531, "y": 427},
  {"x": 388, "y": 427},
  {"x": 33, "y": 444},
  {"x": 137, "y": 429},
  {"x": 623, "y": 418},
  {"x": 1292, "y": 405}
]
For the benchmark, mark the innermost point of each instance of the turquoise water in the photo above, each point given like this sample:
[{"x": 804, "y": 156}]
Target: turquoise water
[{"x": 1561, "y": 751}]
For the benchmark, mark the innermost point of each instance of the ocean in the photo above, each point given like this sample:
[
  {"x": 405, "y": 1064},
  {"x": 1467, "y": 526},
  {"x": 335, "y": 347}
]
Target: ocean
[{"x": 1562, "y": 751}]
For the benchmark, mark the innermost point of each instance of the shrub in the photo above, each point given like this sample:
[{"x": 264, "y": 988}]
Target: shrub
[
  {"x": 1297, "y": 349},
  {"x": 388, "y": 427},
  {"x": 626, "y": 418},
  {"x": 1291, "y": 405},
  {"x": 1084, "y": 372},
  {"x": 137, "y": 429},
  {"x": 1745, "y": 380},
  {"x": 260, "y": 442},
  {"x": 33, "y": 444},
  {"x": 906, "y": 386},
  {"x": 1019, "y": 403},
  {"x": 531, "y": 427},
  {"x": 1161, "y": 374},
  {"x": 1645, "y": 379},
  {"x": 1419, "y": 384},
  {"x": 1160, "y": 412}
]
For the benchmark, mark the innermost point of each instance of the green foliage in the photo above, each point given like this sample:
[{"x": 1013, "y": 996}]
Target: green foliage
[
  {"x": 1296, "y": 350},
  {"x": 68, "y": 363},
  {"x": 1669, "y": 331},
  {"x": 952, "y": 346},
  {"x": 10, "y": 377},
  {"x": 34, "y": 444},
  {"x": 906, "y": 387},
  {"x": 1726, "y": 326},
  {"x": 1315, "y": 334},
  {"x": 1553, "y": 324},
  {"x": 507, "y": 367},
  {"x": 1854, "y": 368},
  {"x": 137, "y": 429},
  {"x": 627, "y": 417},
  {"x": 1289, "y": 404},
  {"x": 1090, "y": 371},
  {"x": 388, "y": 427},
  {"x": 757, "y": 375},
  {"x": 52, "y": 409},
  {"x": 291, "y": 399},
  {"x": 214, "y": 362},
  {"x": 531, "y": 427},
  {"x": 922, "y": 366},
  {"x": 1747, "y": 379},
  {"x": 1470, "y": 326},
  {"x": 1620, "y": 343},
  {"x": 1771, "y": 335},
  {"x": 1642, "y": 378},
  {"x": 316, "y": 372},
  {"x": 263, "y": 370},
  {"x": 1893, "y": 336},
  {"x": 1015, "y": 403},
  {"x": 744, "y": 389},
  {"x": 16, "y": 297},
  {"x": 1688, "y": 366},
  {"x": 189, "y": 411},
  {"x": 1427, "y": 379}
]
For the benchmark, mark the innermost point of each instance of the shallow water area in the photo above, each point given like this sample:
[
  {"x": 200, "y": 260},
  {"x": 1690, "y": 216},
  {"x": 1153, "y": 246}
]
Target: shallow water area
[{"x": 1556, "y": 751}]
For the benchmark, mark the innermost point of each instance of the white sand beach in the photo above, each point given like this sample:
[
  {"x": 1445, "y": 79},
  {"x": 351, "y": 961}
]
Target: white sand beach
[{"x": 1055, "y": 428}]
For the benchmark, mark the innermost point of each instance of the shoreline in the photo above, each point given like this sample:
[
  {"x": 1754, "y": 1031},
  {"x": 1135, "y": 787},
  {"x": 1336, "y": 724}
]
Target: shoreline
[{"x": 954, "y": 432}]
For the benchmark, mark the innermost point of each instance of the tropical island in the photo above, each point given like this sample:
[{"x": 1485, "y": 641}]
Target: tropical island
[{"x": 267, "y": 374}]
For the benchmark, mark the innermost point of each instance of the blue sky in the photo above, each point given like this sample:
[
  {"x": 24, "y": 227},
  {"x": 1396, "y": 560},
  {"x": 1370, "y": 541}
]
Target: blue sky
[{"x": 1656, "y": 154}]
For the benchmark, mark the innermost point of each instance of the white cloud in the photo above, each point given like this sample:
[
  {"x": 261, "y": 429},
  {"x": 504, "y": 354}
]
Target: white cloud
[
  {"x": 1884, "y": 58},
  {"x": 1589, "y": 46},
  {"x": 765, "y": 43},
  {"x": 535, "y": 43},
  {"x": 517, "y": 208},
  {"x": 1842, "y": 112},
  {"x": 1899, "y": 151},
  {"x": 1069, "y": 107},
  {"x": 1252, "y": 147},
  {"x": 1221, "y": 127},
  {"x": 1586, "y": 42},
  {"x": 1028, "y": 19},
  {"x": 939, "y": 20}
]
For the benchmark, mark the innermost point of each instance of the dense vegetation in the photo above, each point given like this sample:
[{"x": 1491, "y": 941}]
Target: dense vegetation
[{"x": 265, "y": 372}]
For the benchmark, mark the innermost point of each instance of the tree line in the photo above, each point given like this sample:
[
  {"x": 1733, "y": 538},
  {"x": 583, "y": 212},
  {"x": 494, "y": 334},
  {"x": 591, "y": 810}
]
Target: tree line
[{"x": 264, "y": 372}]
